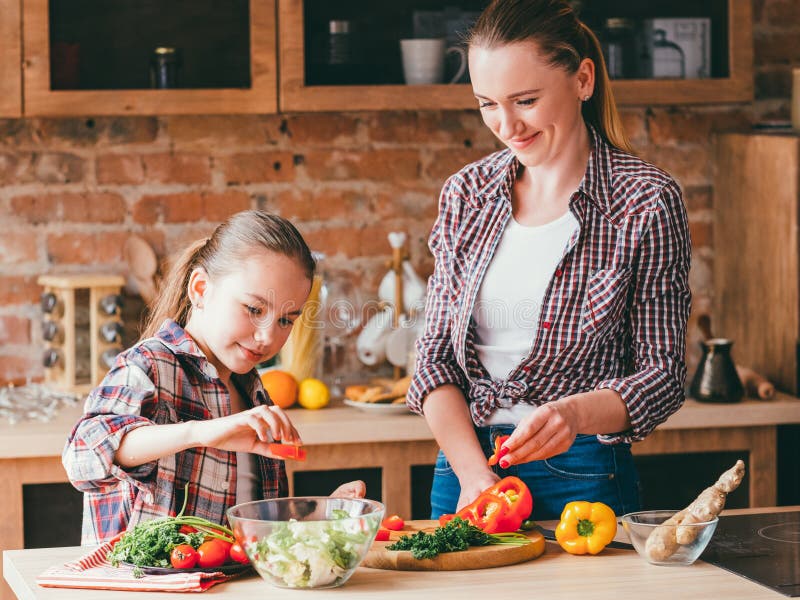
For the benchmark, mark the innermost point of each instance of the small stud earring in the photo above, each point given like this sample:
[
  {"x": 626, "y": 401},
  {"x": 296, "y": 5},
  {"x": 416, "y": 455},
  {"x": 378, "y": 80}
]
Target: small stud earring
[{"x": 586, "y": 98}]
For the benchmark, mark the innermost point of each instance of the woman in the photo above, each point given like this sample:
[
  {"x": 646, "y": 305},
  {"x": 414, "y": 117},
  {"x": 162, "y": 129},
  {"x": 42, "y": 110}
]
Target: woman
[{"x": 558, "y": 304}]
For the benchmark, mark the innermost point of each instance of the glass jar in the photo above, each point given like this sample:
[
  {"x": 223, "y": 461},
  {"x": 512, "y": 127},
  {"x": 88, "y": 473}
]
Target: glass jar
[
  {"x": 668, "y": 59},
  {"x": 619, "y": 48},
  {"x": 164, "y": 66}
]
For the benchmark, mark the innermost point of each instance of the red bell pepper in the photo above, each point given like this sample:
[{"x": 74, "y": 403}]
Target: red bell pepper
[
  {"x": 501, "y": 508},
  {"x": 499, "y": 451},
  {"x": 288, "y": 451}
]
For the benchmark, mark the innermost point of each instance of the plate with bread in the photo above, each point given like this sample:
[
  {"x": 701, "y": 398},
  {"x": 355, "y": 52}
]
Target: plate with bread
[{"x": 380, "y": 395}]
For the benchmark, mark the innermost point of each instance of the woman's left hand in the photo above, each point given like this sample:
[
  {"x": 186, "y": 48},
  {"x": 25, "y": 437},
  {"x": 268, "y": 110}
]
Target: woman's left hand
[
  {"x": 549, "y": 430},
  {"x": 351, "y": 489}
]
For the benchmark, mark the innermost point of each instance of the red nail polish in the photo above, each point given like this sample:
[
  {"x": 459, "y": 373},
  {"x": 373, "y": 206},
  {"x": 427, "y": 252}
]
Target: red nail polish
[
  {"x": 504, "y": 463},
  {"x": 503, "y": 452}
]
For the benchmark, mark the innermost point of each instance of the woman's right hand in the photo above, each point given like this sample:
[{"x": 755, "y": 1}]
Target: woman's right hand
[
  {"x": 247, "y": 431},
  {"x": 472, "y": 486}
]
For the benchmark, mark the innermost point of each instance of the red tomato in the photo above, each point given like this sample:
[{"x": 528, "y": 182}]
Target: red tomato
[
  {"x": 213, "y": 553},
  {"x": 383, "y": 535},
  {"x": 183, "y": 556},
  {"x": 187, "y": 529},
  {"x": 238, "y": 554},
  {"x": 393, "y": 523}
]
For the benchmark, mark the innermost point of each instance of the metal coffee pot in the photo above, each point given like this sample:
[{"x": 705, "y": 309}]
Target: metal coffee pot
[{"x": 716, "y": 379}]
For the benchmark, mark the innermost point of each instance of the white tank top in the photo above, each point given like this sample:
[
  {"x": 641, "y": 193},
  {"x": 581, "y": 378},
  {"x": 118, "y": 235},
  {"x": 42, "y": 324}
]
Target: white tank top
[{"x": 506, "y": 311}]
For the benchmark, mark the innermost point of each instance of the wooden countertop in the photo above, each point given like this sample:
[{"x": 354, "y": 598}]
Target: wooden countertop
[
  {"x": 343, "y": 424},
  {"x": 611, "y": 575}
]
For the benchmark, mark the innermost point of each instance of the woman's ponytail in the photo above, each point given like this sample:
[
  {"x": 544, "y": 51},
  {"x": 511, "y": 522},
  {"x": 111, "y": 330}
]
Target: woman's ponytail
[{"x": 600, "y": 110}]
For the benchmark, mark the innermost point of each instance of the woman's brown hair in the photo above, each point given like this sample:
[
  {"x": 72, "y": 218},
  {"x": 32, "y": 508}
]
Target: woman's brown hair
[
  {"x": 565, "y": 41},
  {"x": 232, "y": 242}
]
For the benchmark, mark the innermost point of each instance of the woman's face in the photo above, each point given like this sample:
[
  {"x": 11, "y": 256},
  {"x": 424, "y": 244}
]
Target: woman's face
[
  {"x": 247, "y": 315},
  {"x": 532, "y": 107}
]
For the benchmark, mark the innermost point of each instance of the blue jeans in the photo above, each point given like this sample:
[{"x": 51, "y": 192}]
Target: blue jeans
[{"x": 589, "y": 471}]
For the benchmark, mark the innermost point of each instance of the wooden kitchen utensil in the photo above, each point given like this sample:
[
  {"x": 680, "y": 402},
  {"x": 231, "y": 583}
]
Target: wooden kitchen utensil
[
  {"x": 476, "y": 557},
  {"x": 143, "y": 265},
  {"x": 755, "y": 385}
]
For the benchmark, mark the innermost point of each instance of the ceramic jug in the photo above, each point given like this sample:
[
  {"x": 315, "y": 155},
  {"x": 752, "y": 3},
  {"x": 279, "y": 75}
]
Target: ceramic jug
[{"x": 716, "y": 379}]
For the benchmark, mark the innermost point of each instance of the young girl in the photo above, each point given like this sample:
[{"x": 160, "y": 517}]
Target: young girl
[
  {"x": 185, "y": 404},
  {"x": 558, "y": 304}
]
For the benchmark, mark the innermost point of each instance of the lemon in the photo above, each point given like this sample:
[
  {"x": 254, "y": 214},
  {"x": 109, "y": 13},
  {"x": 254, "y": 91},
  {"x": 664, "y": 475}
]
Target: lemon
[{"x": 313, "y": 394}]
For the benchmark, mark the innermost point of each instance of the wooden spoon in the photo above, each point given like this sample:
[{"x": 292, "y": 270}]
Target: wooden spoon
[{"x": 143, "y": 265}]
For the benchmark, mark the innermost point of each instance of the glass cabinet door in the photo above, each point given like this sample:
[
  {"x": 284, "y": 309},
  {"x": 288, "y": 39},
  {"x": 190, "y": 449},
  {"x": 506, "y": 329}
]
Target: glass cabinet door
[{"x": 149, "y": 56}]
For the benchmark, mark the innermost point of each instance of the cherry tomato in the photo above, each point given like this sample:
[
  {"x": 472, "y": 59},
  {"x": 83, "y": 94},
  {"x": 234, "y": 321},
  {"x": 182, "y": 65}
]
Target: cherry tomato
[
  {"x": 383, "y": 535},
  {"x": 213, "y": 553},
  {"x": 187, "y": 529},
  {"x": 393, "y": 523},
  {"x": 183, "y": 556},
  {"x": 238, "y": 554}
]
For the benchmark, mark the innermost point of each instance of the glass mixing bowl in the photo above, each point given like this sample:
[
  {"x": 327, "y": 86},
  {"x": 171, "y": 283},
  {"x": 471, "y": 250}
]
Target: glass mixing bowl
[
  {"x": 306, "y": 542},
  {"x": 664, "y": 548}
]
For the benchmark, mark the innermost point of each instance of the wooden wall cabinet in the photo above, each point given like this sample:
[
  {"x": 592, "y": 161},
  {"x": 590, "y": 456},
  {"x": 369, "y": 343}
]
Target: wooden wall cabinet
[
  {"x": 757, "y": 252},
  {"x": 10, "y": 51},
  {"x": 278, "y": 36},
  {"x": 297, "y": 95},
  {"x": 41, "y": 99}
]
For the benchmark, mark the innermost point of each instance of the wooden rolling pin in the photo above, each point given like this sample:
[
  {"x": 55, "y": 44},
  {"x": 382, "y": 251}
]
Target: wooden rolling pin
[{"x": 754, "y": 384}]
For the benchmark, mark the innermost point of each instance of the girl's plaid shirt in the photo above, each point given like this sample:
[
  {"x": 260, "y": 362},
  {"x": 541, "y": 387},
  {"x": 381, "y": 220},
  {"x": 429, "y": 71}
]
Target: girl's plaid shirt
[
  {"x": 163, "y": 379},
  {"x": 614, "y": 314}
]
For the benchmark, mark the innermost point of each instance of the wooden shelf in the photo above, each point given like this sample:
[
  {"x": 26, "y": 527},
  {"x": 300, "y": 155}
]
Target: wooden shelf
[
  {"x": 40, "y": 99},
  {"x": 11, "y": 51},
  {"x": 295, "y": 95}
]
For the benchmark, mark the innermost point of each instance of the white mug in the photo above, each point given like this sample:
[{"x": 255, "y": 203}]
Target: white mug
[{"x": 423, "y": 61}]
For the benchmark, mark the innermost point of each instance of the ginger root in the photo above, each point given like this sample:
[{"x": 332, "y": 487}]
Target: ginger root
[{"x": 663, "y": 542}]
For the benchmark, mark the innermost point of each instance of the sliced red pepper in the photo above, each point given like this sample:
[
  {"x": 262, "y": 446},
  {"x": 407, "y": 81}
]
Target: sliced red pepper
[
  {"x": 383, "y": 535},
  {"x": 501, "y": 508},
  {"x": 445, "y": 519},
  {"x": 288, "y": 451},
  {"x": 499, "y": 451},
  {"x": 519, "y": 497}
]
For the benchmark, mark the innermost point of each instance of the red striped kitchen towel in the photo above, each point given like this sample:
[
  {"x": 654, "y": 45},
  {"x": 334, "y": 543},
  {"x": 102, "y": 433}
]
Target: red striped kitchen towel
[{"x": 93, "y": 571}]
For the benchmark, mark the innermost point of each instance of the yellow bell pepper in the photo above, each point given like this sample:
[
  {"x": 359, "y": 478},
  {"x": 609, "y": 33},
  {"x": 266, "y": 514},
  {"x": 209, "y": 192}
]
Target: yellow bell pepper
[{"x": 586, "y": 527}]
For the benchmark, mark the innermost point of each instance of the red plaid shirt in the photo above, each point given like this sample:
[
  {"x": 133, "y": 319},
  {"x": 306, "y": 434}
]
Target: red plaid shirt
[
  {"x": 163, "y": 379},
  {"x": 613, "y": 316}
]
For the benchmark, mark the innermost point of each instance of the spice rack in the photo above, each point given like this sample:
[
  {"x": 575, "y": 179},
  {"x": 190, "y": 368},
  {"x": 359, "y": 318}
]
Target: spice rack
[{"x": 59, "y": 303}]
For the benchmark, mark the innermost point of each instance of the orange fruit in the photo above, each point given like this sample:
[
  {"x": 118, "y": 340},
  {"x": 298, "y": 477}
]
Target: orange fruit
[{"x": 281, "y": 387}]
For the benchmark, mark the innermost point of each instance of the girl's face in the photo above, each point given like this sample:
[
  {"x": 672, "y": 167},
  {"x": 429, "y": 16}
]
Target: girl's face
[
  {"x": 532, "y": 107},
  {"x": 247, "y": 315}
]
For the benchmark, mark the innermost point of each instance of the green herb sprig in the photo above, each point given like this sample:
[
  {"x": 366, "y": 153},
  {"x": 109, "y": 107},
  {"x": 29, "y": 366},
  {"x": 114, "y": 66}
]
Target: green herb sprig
[
  {"x": 149, "y": 544},
  {"x": 456, "y": 535}
]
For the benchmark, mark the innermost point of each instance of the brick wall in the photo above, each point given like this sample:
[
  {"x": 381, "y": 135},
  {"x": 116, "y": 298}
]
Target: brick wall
[{"x": 71, "y": 190}]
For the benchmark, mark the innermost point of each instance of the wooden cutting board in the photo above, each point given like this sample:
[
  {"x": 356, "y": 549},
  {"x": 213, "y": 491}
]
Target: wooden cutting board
[{"x": 476, "y": 557}]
